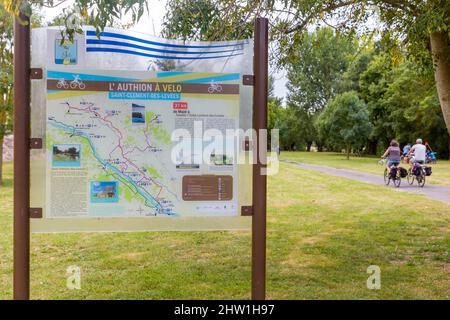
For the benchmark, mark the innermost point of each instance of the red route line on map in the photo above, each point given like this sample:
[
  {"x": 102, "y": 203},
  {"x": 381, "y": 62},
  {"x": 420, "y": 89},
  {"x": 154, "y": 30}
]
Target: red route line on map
[{"x": 88, "y": 109}]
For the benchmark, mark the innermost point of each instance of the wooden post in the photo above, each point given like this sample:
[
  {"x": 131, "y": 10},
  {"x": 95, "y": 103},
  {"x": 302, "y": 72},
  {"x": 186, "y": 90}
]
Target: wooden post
[
  {"x": 260, "y": 73},
  {"x": 21, "y": 281}
]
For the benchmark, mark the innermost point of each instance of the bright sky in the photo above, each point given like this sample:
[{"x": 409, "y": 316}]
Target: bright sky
[{"x": 152, "y": 24}]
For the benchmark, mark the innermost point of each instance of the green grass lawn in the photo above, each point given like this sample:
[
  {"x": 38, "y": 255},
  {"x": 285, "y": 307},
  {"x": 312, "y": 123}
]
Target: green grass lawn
[
  {"x": 441, "y": 170},
  {"x": 322, "y": 235},
  {"x": 64, "y": 158}
]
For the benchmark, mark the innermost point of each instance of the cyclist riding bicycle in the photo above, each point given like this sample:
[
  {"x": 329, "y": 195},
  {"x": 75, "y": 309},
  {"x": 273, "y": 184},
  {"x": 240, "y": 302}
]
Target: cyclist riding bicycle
[
  {"x": 418, "y": 152},
  {"x": 406, "y": 149},
  {"x": 393, "y": 154}
]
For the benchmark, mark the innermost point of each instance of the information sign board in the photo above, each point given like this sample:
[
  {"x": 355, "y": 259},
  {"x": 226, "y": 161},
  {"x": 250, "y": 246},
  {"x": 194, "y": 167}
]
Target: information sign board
[{"x": 139, "y": 127}]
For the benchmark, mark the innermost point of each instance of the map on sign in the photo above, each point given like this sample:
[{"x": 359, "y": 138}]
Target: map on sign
[{"x": 110, "y": 149}]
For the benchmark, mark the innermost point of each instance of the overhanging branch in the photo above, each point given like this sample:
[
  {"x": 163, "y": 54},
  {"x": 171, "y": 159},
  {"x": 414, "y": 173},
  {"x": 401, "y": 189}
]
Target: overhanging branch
[{"x": 324, "y": 9}]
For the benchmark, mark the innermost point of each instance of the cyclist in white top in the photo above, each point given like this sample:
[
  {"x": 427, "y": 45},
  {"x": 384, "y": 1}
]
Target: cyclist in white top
[{"x": 419, "y": 150}]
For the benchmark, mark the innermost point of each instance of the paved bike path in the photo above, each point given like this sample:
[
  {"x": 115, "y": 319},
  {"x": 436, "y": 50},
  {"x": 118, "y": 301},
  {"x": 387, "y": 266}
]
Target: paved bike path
[{"x": 432, "y": 191}]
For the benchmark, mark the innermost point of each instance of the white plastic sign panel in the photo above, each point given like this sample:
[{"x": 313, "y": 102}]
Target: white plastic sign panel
[{"x": 126, "y": 151}]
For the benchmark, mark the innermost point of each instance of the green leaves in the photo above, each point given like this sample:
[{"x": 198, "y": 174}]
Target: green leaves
[
  {"x": 209, "y": 20},
  {"x": 345, "y": 121},
  {"x": 99, "y": 13},
  {"x": 315, "y": 68},
  {"x": 400, "y": 23},
  {"x": 6, "y": 72}
]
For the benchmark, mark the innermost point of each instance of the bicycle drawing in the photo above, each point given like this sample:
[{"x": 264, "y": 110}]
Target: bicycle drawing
[
  {"x": 214, "y": 87},
  {"x": 62, "y": 84},
  {"x": 77, "y": 83}
]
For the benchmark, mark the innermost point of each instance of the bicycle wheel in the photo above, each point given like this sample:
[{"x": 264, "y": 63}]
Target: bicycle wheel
[
  {"x": 387, "y": 179},
  {"x": 397, "y": 181},
  {"x": 421, "y": 180},
  {"x": 410, "y": 177}
]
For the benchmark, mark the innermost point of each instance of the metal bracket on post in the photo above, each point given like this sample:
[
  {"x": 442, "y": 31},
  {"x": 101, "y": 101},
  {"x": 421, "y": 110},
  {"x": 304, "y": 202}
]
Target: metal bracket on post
[
  {"x": 36, "y": 73},
  {"x": 35, "y": 213},
  {"x": 247, "y": 145},
  {"x": 246, "y": 210},
  {"x": 248, "y": 80},
  {"x": 35, "y": 143}
]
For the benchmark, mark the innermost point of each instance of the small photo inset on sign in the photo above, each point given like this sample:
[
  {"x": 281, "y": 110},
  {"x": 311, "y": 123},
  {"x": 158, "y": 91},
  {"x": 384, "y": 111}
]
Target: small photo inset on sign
[
  {"x": 104, "y": 191},
  {"x": 66, "y": 155},
  {"x": 221, "y": 159},
  {"x": 137, "y": 113},
  {"x": 65, "y": 52}
]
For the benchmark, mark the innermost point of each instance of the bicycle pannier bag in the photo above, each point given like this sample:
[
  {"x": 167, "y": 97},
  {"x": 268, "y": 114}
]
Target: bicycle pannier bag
[
  {"x": 416, "y": 170},
  {"x": 403, "y": 172}
]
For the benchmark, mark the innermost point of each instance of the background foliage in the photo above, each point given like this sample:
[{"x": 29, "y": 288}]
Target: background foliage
[{"x": 379, "y": 48}]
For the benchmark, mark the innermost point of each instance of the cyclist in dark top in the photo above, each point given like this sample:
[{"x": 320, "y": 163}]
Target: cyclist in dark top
[{"x": 393, "y": 154}]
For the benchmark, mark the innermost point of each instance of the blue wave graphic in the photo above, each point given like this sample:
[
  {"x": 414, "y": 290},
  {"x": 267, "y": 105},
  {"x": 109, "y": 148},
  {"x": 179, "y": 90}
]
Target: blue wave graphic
[
  {"x": 170, "y": 73},
  {"x": 122, "y": 36},
  {"x": 94, "y": 77},
  {"x": 226, "y": 77},
  {"x": 131, "y": 45},
  {"x": 136, "y": 53}
]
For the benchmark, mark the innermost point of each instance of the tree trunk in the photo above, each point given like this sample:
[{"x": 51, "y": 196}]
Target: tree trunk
[
  {"x": 372, "y": 147},
  {"x": 308, "y": 146},
  {"x": 440, "y": 49},
  {"x": 1, "y": 159},
  {"x": 319, "y": 147},
  {"x": 348, "y": 152},
  {"x": 449, "y": 146}
]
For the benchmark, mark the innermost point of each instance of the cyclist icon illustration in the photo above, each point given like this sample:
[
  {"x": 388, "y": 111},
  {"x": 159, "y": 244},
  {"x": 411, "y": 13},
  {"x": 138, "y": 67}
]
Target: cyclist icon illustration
[
  {"x": 62, "y": 84},
  {"x": 77, "y": 83},
  {"x": 214, "y": 87}
]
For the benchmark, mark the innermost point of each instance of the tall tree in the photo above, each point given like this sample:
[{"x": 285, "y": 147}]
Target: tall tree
[
  {"x": 297, "y": 128},
  {"x": 345, "y": 122},
  {"x": 315, "y": 75},
  {"x": 316, "y": 67},
  {"x": 414, "y": 105},
  {"x": 274, "y": 106},
  {"x": 402, "y": 102},
  {"x": 373, "y": 84}
]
